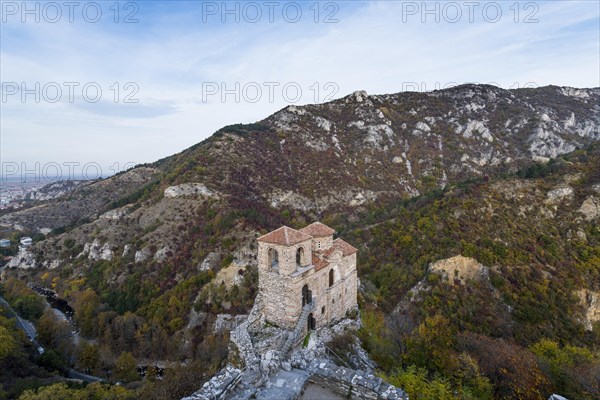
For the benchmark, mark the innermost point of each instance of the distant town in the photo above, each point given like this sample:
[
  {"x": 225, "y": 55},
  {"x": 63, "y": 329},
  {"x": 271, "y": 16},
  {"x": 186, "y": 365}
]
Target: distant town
[{"x": 15, "y": 194}]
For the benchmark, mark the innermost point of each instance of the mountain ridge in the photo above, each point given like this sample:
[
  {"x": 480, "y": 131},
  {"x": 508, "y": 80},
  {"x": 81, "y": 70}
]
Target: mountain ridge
[{"x": 407, "y": 182}]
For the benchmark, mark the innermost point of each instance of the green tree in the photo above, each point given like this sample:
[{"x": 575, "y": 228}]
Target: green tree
[
  {"x": 58, "y": 391},
  {"x": 51, "y": 360},
  {"x": 126, "y": 368},
  {"x": 30, "y": 306},
  {"x": 415, "y": 382},
  {"x": 8, "y": 345}
]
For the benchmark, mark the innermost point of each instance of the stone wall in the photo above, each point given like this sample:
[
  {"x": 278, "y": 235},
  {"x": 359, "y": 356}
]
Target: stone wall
[
  {"x": 283, "y": 295},
  {"x": 325, "y": 242},
  {"x": 353, "y": 384},
  {"x": 282, "y": 285},
  {"x": 282, "y": 301},
  {"x": 218, "y": 386}
]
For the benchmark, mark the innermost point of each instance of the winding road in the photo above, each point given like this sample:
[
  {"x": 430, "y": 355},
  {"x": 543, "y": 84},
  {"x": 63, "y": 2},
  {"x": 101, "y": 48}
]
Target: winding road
[
  {"x": 23, "y": 324},
  {"x": 31, "y": 333}
]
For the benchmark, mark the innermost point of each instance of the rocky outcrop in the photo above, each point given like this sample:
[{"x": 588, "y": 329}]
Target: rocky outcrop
[
  {"x": 189, "y": 190},
  {"x": 210, "y": 262},
  {"x": 142, "y": 255},
  {"x": 95, "y": 251},
  {"x": 459, "y": 269},
  {"x": 590, "y": 208},
  {"x": 290, "y": 199},
  {"x": 352, "y": 383},
  {"x": 162, "y": 254},
  {"x": 590, "y": 301},
  {"x": 55, "y": 190},
  {"x": 559, "y": 194},
  {"x": 228, "y": 322},
  {"x": 24, "y": 259},
  {"x": 272, "y": 376},
  {"x": 217, "y": 387},
  {"x": 116, "y": 214}
]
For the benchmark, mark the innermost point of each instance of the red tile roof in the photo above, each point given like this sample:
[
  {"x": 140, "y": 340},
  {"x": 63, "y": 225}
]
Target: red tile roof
[
  {"x": 329, "y": 252},
  {"x": 284, "y": 236},
  {"x": 318, "y": 229},
  {"x": 318, "y": 263},
  {"x": 345, "y": 247}
]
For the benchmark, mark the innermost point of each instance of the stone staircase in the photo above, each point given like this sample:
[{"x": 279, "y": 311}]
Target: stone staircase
[{"x": 307, "y": 309}]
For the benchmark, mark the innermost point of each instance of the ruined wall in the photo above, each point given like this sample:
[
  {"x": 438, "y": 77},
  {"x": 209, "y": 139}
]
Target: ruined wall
[{"x": 354, "y": 384}]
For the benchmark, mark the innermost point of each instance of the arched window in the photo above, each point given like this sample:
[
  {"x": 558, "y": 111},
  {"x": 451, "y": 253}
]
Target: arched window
[
  {"x": 299, "y": 256},
  {"x": 331, "y": 276},
  {"x": 273, "y": 259}
]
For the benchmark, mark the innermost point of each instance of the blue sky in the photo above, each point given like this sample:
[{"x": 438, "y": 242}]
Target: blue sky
[{"x": 194, "y": 67}]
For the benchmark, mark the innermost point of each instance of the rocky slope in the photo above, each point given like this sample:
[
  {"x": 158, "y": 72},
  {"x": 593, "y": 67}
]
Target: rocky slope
[{"x": 356, "y": 149}]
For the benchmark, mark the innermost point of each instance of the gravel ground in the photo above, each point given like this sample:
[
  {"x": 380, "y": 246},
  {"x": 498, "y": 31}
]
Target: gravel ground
[{"x": 316, "y": 392}]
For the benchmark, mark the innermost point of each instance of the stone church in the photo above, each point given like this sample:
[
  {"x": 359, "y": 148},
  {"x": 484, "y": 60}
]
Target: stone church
[{"x": 306, "y": 278}]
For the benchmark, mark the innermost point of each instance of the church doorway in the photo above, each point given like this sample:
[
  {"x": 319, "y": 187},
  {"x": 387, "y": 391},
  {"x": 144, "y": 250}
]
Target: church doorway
[
  {"x": 310, "y": 323},
  {"x": 306, "y": 296}
]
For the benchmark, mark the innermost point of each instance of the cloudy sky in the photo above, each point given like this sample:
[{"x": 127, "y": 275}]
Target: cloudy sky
[{"x": 107, "y": 86}]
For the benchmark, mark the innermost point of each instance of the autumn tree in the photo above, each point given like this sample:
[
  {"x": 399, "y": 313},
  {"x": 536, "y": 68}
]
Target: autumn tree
[
  {"x": 432, "y": 344},
  {"x": 512, "y": 369},
  {"x": 86, "y": 306},
  {"x": 88, "y": 355}
]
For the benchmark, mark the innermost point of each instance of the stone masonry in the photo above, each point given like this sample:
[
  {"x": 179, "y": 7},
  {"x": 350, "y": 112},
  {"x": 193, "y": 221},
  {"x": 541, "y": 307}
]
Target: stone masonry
[{"x": 304, "y": 267}]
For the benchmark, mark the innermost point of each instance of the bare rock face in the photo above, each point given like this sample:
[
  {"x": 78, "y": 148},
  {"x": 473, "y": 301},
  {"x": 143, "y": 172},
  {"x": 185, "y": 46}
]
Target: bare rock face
[
  {"x": 590, "y": 208},
  {"x": 359, "y": 96},
  {"x": 162, "y": 254},
  {"x": 270, "y": 362},
  {"x": 24, "y": 260},
  {"x": 228, "y": 322},
  {"x": 459, "y": 268},
  {"x": 54, "y": 190},
  {"x": 590, "y": 300},
  {"x": 559, "y": 194},
  {"x": 210, "y": 262},
  {"x": 116, "y": 214},
  {"x": 142, "y": 255},
  {"x": 230, "y": 276},
  {"x": 189, "y": 189},
  {"x": 95, "y": 251}
]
